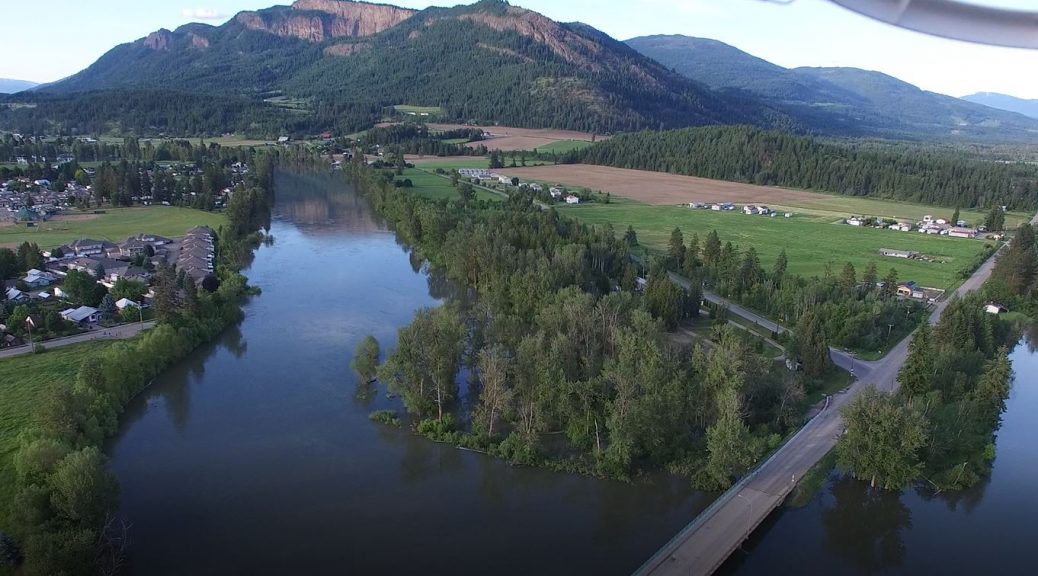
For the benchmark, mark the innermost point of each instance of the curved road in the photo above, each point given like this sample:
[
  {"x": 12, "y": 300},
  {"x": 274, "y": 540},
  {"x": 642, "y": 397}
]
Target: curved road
[{"x": 702, "y": 546}]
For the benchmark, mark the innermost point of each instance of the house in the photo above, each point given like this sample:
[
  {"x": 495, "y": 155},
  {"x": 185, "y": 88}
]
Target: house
[
  {"x": 133, "y": 247},
  {"x": 961, "y": 223},
  {"x": 36, "y": 279},
  {"x": 901, "y": 227},
  {"x": 763, "y": 210},
  {"x": 715, "y": 207},
  {"x": 995, "y": 309},
  {"x": 855, "y": 221},
  {"x": 640, "y": 284},
  {"x": 504, "y": 179},
  {"x": 727, "y": 206},
  {"x": 283, "y": 140},
  {"x": 555, "y": 192},
  {"x": 927, "y": 218},
  {"x": 571, "y": 199},
  {"x": 124, "y": 303},
  {"x": 897, "y": 253},
  {"x": 536, "y": 187},
  {"x": 81, "y": 315},
  {"x": 941, "y": 222},
  {"x": 16, "y": 296},
  {"x": 87, "y": 247},
  {"x": 789, "y": 215},
  {"x": 905, "y": 290},
  {"x": 749, "y": 209},
  {"x": 696, "y": 205},
  {"x": 962, "y": 233}
]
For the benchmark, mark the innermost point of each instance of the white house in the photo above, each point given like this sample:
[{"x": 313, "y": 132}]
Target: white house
[
  {"x": 571, "y": 199},
  {"x": 555, "y": 192},
  {"x": 994, "y": 309},
  {"x": 941, "y": 221},
  {"x": 536, "y": 187},
  {"x": 749, "y": 209},
  {"x": 81, "y": 315},
  {"x": 855, "y": 221},
  {"x": 962, "y": 233},
  {"x": 124, "y": 303}
]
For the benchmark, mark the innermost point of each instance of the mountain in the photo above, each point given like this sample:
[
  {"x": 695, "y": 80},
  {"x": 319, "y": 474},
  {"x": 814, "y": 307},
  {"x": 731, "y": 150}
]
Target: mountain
[
  {"x": 8, "y": 86},
  {"x": 345, "y": 63},
  {"x": 1005, "y": 102},
  {"x": 836, "y": 100}
]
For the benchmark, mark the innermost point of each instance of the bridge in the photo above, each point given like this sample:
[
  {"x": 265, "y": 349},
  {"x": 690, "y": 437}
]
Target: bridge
[{"x": 703, "y": 545}]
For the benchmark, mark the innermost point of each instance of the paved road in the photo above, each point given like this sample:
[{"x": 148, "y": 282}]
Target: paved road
[
  {"x": 702, "y": 546},
  {"x": 117, "y": 333}
]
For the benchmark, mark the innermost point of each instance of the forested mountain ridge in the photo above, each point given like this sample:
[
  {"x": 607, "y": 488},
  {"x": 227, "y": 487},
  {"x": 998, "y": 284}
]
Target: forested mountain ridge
[
  {"x": 847, "y": 101},
  {"x": 1005, "y": 102},
  {"x": 10, "y": 86},
  {"x": 485, "y": 62}
]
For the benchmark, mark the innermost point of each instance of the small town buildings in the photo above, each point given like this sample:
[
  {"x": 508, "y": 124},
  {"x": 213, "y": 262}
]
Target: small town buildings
[
  {"x": 536, "y": 187},
  {"x": 855, "y": 221},
  {"x": 901, "y": 227},
  {"x": 961, "y": 223},
  {"x": 555, "y": 192},
  {"x": 749, "y": 209},
  {"x": 571, "y": 199}
]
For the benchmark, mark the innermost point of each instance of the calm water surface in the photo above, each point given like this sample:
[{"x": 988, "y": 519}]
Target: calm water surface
[
  {"x": 848, "y": 529},
  {"x": 256, "y": 456}
]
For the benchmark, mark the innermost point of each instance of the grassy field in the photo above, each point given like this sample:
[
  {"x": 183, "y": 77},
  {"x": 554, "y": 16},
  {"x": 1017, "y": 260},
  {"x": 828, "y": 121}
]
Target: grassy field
[
  {"x": 115, "y": 225},
  {"x": 23, "y": 380},
  {"x": 830, "y": 207},
  {"x": 563, "y": 146},
  {"x": 418, "y": 110},
  {"x": 809, "y": 244},
  {"x": 436, "y": 187}
]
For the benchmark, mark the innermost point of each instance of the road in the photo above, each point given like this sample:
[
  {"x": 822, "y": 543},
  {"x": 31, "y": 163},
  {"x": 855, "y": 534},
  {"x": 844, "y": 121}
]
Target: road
[
  {"x": 702, "y": 546},
  {"x": 121, "y": 332}
]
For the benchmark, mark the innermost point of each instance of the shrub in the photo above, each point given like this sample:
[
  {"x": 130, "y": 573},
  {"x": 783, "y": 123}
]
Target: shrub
[{"x": 387, "y": 417}]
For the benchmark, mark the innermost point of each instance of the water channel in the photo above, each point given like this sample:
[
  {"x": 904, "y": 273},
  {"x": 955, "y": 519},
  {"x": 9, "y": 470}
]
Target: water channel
[{"x": 256, "y": 455}]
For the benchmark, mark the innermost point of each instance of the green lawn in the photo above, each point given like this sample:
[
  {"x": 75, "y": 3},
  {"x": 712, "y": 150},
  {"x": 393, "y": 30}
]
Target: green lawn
[
  {"x": 809, "y": 243},
  {"x": 115, "y": 225},
  {"x": 23, "y": 380},
  {"x": 447, "y": 163},
  {"x": 436, "y": 187}
]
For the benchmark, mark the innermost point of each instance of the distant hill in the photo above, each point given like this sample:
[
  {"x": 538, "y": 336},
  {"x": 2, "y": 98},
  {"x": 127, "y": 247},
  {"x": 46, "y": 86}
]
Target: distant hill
[
  {"x": 338, "y": 63},
  {"x": 8, "y": 86},
  {"x": 1005, "y": 102},
  {"x": 837, "y": 100}
]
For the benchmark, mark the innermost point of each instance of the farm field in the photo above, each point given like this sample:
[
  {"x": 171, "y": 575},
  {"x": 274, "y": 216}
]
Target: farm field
[
  {"x": 507, "y": 138},
  {"x": 408, "y": 109},
  {"x": 23, "y": 381},
  {"x": 809, "y": 244},
  {"x": 663, "y": 189},
  {"x": 115, "y": 225},
  {"x": 436, "y": 187}
]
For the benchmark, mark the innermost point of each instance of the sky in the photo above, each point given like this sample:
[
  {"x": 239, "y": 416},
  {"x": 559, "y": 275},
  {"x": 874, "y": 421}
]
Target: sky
[{"x": 52, "y": 39}]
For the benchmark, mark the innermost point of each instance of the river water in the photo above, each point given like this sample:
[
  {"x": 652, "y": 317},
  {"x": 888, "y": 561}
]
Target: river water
[
  {"x": 255, "y": 455},
  {"x": 849, "y": 529}
]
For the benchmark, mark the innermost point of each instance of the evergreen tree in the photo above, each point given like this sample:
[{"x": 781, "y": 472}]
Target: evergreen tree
[
  {"x": 712, "y": 250},
  {"x": 870, "y": 277},
  {"x": 778, "y": 272},
  {"x": 631, "y": 237},
  {"x": 890, "y": 284},
  {"x": 917, "y": 373},
  {"x": 996, "y": 219},
  {"x": 883, "y": 442},
  {"x": 676, "y": 250},
  {"x": 848, "y": 277},
  {"x": 956, "y": 216},
  {"x": 811, "y": 345}
]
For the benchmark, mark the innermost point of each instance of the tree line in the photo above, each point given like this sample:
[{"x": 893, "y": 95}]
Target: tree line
[
  {"x": 572, "y": 368},
  {"x": 754, "y": 156}
]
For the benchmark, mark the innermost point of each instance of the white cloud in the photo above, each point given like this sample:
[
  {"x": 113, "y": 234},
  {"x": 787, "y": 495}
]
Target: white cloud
[{"x": 201, "y": 13}]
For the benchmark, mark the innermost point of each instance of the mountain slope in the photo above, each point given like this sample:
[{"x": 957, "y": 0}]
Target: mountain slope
[
  {"x": 1005, "y": 102},
  {"x": 836, "y": 100},
  {"x": 9, "y": 86},
  {"x": 488, "y": 62}
]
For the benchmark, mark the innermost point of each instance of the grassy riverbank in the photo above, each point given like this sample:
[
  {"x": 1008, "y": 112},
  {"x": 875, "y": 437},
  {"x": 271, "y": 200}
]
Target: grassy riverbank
[{"x": 24, "y": 380}]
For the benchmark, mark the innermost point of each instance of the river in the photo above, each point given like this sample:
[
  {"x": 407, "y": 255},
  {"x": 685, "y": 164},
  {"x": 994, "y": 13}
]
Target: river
[
  {"x": 255, "y": 455},
  {"x": 849, "y": 529}
]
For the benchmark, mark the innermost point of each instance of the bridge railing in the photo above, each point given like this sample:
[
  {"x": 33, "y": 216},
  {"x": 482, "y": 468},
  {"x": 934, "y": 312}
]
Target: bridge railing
[{"x": 721, "y": 501}]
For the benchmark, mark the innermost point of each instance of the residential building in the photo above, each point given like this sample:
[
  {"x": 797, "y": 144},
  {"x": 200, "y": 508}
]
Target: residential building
[
  {"x": 81, "y": 315},
  {"x": 571, "y": 199}
]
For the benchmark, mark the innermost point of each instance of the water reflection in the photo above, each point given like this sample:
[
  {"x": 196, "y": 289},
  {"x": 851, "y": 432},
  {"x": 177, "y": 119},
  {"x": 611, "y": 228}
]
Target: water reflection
[{"x": 865, "y": 525}]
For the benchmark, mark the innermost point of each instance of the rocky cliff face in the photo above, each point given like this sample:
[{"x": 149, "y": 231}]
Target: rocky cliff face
[{"x": 320, "y": 20}]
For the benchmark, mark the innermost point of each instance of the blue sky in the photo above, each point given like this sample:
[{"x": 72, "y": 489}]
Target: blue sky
[{"x": 47, "y": 40}]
